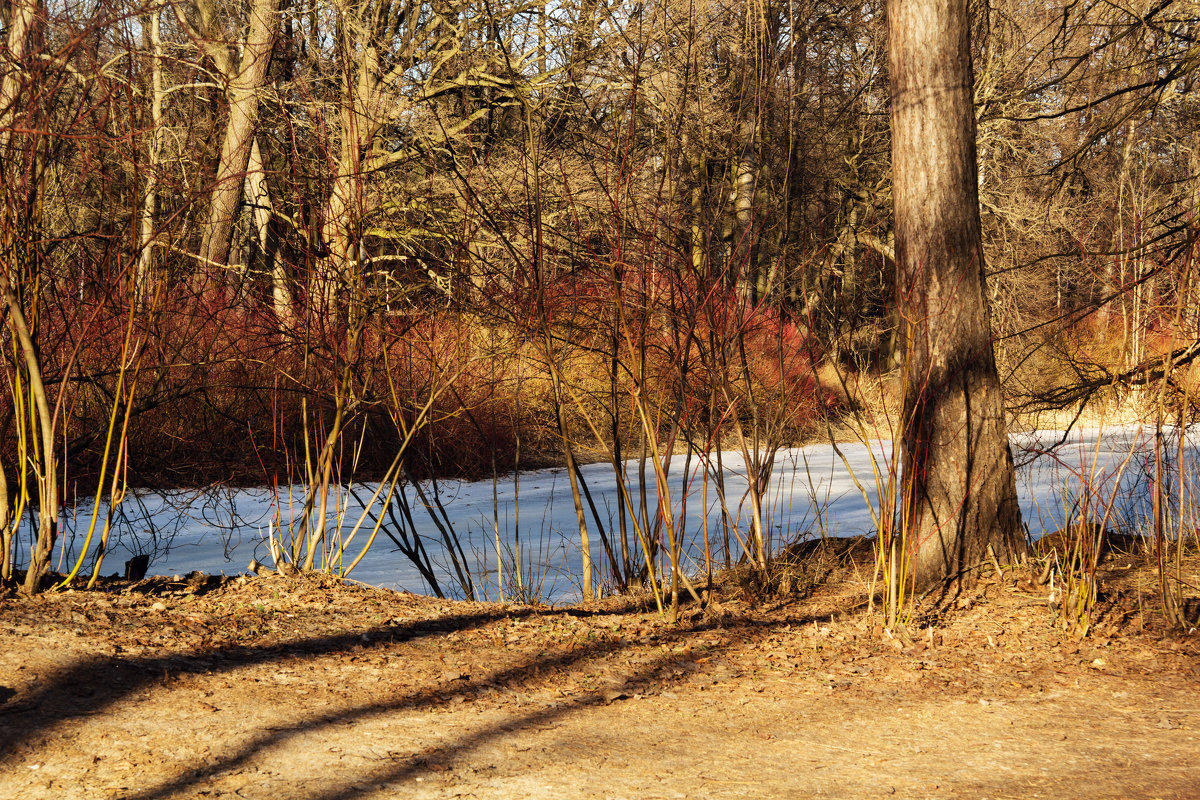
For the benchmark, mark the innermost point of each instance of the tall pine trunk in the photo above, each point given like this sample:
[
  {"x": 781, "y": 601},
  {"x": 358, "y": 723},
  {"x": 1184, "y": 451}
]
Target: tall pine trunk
[{"x": 958, "y": 483}]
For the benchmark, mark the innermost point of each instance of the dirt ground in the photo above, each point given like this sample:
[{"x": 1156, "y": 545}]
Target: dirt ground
[{"x": 309, "y": 689}]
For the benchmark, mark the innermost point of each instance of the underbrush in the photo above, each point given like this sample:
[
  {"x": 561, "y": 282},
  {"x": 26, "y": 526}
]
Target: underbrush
[
  {"x": 219, "y": 392},
  {"x": 800, "y": 569},
  {"x": 1126, "y": 584}
]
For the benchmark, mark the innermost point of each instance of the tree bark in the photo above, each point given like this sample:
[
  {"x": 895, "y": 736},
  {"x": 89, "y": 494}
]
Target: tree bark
[
  {"x": 146, "y": 236},
  {"x": 258, "y": 195},
  {"x": 22, "y": 15},
  {"x": 745, "y": 187},
  {"x": 958, "y": 482},
  {"x": 359, "y": 122},
  {"x": 244, "y": 85}
]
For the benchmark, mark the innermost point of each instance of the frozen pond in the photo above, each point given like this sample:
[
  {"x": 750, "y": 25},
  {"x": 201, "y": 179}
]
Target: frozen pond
[{"x": 813, "y": 492}]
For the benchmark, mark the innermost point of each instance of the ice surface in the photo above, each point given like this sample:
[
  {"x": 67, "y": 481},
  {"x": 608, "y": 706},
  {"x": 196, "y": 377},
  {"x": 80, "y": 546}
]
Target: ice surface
[{"x": 813, "y": 492}]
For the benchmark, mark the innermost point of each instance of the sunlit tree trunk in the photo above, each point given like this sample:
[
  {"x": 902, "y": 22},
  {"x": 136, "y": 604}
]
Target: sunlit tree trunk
[
  {"x": 245, "y": 83},
  {"x": 343, "y": 210},
  {"x": 745, "y": 186},
  {"x": 258, "y": 196},
  {"x": 360, "y": 108},
  {"x": 744, "y": 265},
  {"x": 22, "y": 14},
  {"x": 958, "y": 483},
  {"x": 145, "y": 257}
]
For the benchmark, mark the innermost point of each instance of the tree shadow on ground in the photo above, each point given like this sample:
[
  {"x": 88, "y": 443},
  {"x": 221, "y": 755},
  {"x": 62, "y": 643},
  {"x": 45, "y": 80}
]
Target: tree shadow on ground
[
  {"x": 94, "y": 685},
  {"x": 659, "y": 669},
  {"x": 90, "y": 686}
]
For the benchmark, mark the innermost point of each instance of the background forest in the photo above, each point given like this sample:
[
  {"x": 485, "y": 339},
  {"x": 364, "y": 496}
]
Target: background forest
[{"x": 300, "y": 242}]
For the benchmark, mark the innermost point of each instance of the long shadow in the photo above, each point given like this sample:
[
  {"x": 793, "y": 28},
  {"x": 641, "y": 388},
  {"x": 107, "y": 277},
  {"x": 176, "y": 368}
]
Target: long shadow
[
  {"x": 92, "y": 685},
  {"x": 659, "y": 669}
]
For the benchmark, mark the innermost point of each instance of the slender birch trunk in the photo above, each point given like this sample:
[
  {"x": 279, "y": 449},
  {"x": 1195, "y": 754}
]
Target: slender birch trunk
[{"x": 745, "y": 186}]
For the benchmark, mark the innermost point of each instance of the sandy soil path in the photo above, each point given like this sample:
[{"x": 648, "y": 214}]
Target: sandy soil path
[{"x": 307, "y": 690}]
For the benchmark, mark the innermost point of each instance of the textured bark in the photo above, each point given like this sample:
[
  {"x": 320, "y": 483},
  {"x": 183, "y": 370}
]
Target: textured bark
[
  {"x": 359, "y": 122},
  {"x": 244, "y": 84},
  {"x": 745, "y": 187},
  {"x": 958, "y": 480},
  {"x": 22, "y": 15},
  {"x": 744, "y": 267}
]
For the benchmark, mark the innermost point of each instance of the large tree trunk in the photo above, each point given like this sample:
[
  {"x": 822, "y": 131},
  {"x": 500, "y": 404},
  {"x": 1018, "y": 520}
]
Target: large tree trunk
[
  {"x": 958, "y": 481},
  {"x": 244, "y": 86}
]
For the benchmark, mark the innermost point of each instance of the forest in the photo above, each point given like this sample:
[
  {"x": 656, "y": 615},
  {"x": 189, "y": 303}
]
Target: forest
[
  {"x": 321, "y": 274},
  {"x": 319, "y": 243}
]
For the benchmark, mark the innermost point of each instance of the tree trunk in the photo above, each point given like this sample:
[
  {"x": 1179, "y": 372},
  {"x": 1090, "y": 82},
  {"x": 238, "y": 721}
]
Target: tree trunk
[
  {"x": 21, "y": 17},
  {"x": 145, "y": 257},
  {"x": 258, "y": 195},
  {"x": 338, "y": 275},
  {"x": 958, "y": 482},
  {"x": 42, "y": 421},
  {"x": 745, "y": 187},
  {"x": 244, "y": 86}
]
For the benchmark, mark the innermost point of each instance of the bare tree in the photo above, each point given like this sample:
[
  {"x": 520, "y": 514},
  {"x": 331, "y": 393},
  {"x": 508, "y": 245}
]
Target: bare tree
[
  {"x": 244, "y": 78},
  {"x": 146, "y": 233},
  {"x": 958, "y": 491},
  {"x": 15, "y": 262}
]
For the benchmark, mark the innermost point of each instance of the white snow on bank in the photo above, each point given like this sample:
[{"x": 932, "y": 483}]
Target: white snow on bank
[{"x": 812, "y": 493}]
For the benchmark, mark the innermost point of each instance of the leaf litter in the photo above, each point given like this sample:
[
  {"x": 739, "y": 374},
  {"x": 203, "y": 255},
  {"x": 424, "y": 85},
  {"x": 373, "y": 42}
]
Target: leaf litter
[{"x": 310, "y": 688}]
